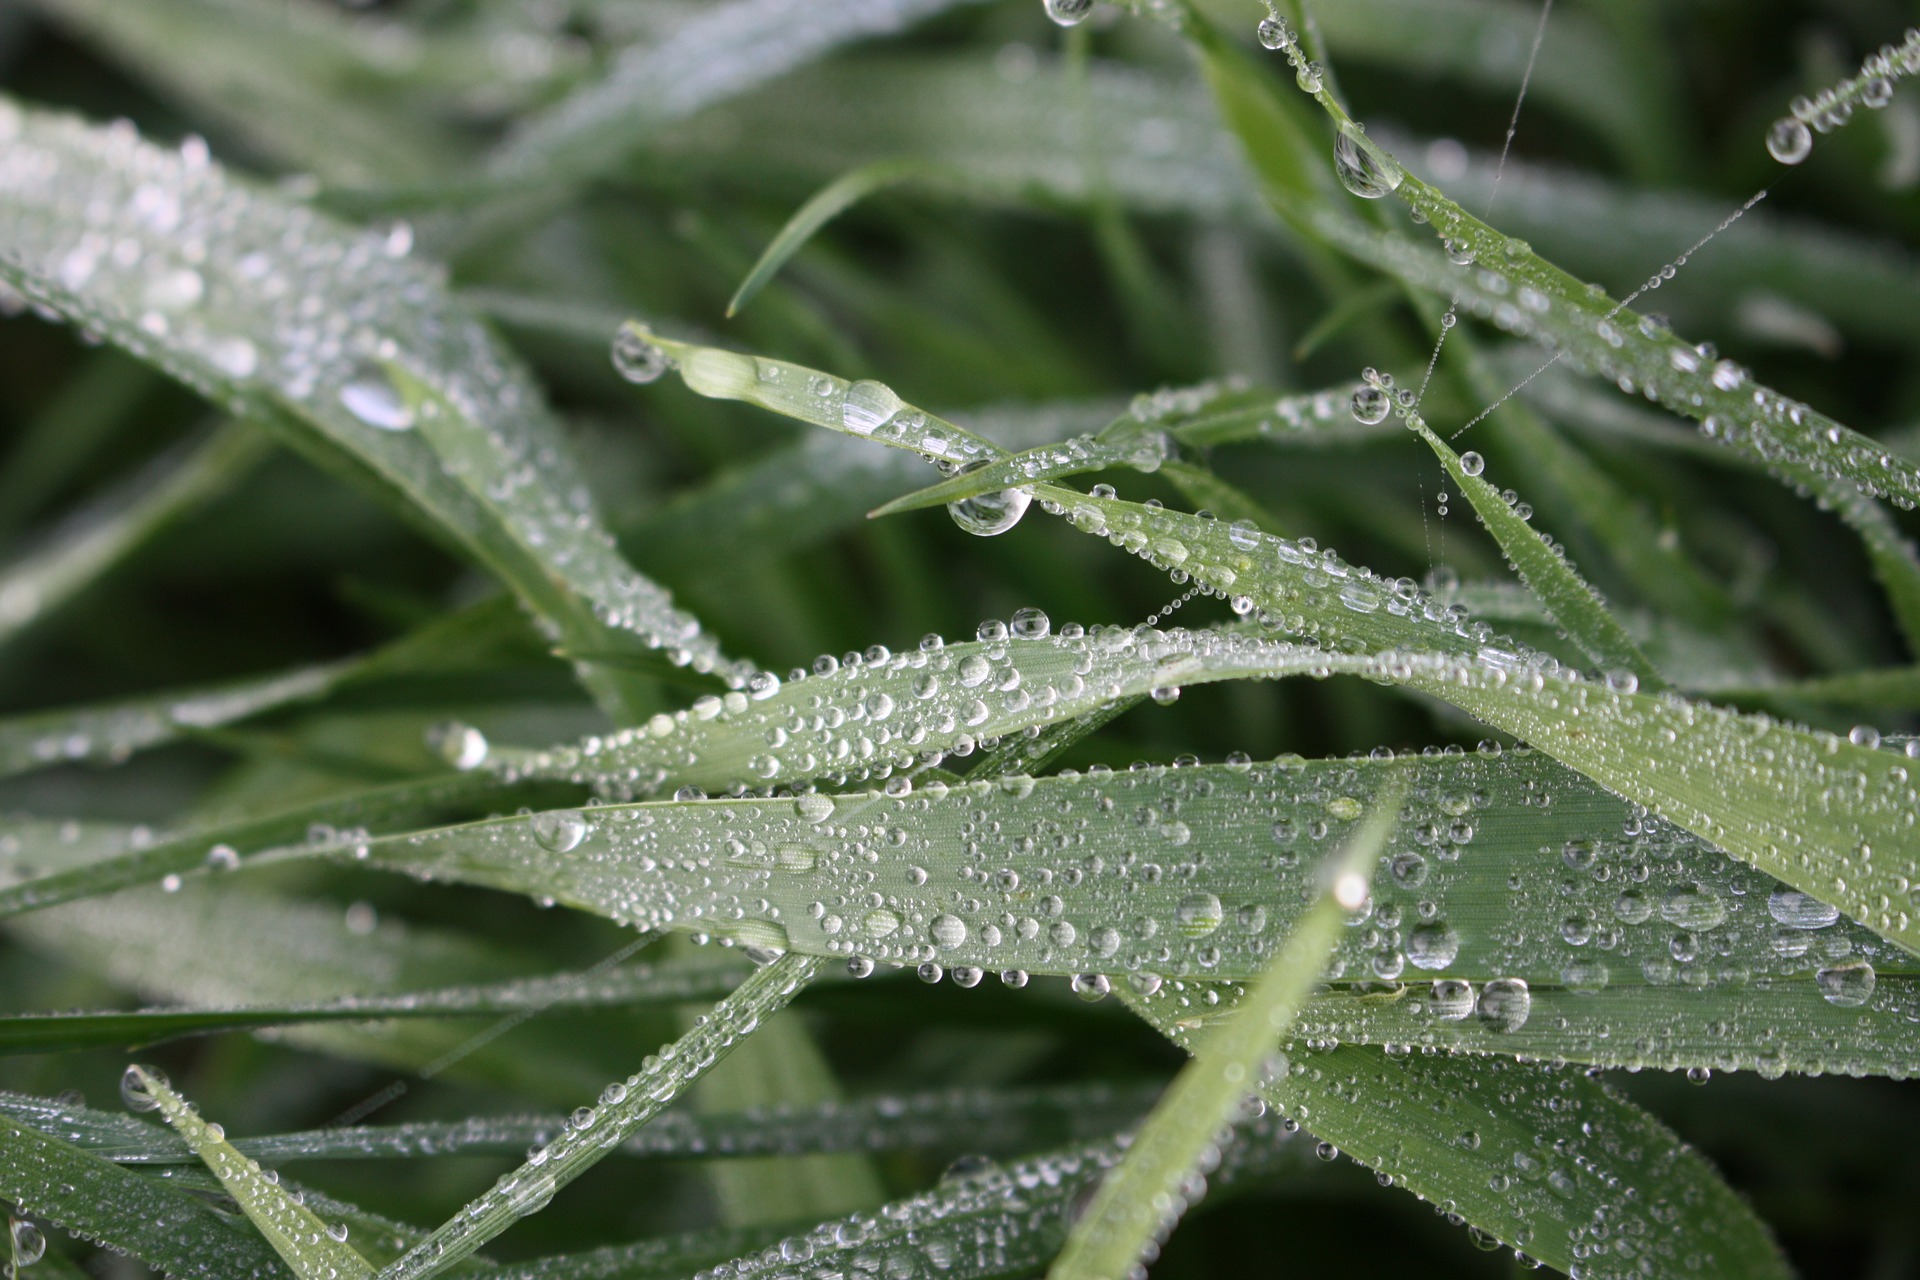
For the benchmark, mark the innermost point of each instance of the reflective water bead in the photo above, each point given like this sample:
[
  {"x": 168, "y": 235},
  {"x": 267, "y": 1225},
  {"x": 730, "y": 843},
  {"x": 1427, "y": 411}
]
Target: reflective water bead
[
  {"x": 1363, "y": 168},
  {"x": 1091, "y": 986},
  {"x": 1506, "y": 1003},
  {"x": 868, "y": 406},
  {"x": 1274, "y": 33},
  {"x": 1371, "y": 405},
  {"x": 1069, "y": 13},
  {"x": 987, "y": 515},
  {"x": 134, "y": 1091},
  {"x": 559, "y": 830},
  {"x": 1472, "y": 463},
  {"x": 1846, "y": 986},
  {"x": 371, "y": 397},
  {"x": 1789, "y": 140},
  {"x": 635, "y": 358}
]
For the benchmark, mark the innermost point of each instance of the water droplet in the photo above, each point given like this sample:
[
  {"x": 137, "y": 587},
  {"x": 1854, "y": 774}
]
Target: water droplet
[
  {"x": 1274, "y": 33},
  {"x": 461, "y": 745},
  {"x": 1798, "y": 910},
  {"x": 1693, "y": 906},
  {"x": 1031, "y": 624},
  {"x": 635, "y": 357},
  {"x": 987, "y": 515},
  {"x": 1451, "y": 999},
  {"x": 1432, "y": 945},
  {"x": 1789, "y": 140},
  {"x": 1364, "y": 169},
  {"x": 1847, "y": 986},
  {"x": 949, "y": 930},
  {"x": 813, "y": 808},
  {"x": 1506, "y": 1003},
  {"x": 1472, "y": 463},
  {"x": 559, "y": 830},
  {"x": 134, "y": 1091},
  {"x": 868, "y": 406},
  {"x": 1091, "y": 986},
  {"x": 1371, "y": 405},
  {"x": 1069, "y": 13},
  {"x": 29, "y": 1245},
  {"x": 1015, "y": 978},
  {"x": 1864, "y": 735},
  {"x": 1200, "y": 914},
  {"x": 371, "y": 397}
]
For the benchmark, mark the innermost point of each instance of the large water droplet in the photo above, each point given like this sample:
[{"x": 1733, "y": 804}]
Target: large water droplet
[
  {"x": 868, "y": 406},
  {"x": 1200, "y": 914},
  {"x": 1789, "y": 140},
  {"x": 1798, "y": 910},
  {"x": 1364, "y": 169},
  {"x": 29, "y": 1245},
  {"x": 635, "y": 357},
  {"x": 1069, "y": 13},
  {"x": 949, "y": 930},
  {"x": 1371, "y": 405},
  {"x": 461, "y": 745},
  {"x": 559, "y": 830},
  {"x": 134, "y": 1091},
  {"x": 1506, "y": 1003},
  {"x": 1433, "y": 945},
  {"x": 371, "y": 397},
  {"x": 1847, "y": 986},
  {"x": 1451, "y": 999},
  {"x": 1472, "y": 463},
  {"x": 989, "y": 514}
]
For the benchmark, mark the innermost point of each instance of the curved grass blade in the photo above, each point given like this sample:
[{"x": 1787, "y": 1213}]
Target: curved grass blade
[
  {"x": 1547, "y": 1161},
  {"x": 719, "y": 53},
  {"x": 1138, "y": 1204},
  {"x": 161, "y": 1224},
  {"x": 822, "y": 207},
  {"x": 594, "y": 1133},
  {"x": 1546, "y": 571},
  {"x": 231, "y": 327},
  {"x": 93, "y": 540},
  {"x": 647, "y": 984},
  {"x": 60, "y": 873},
  {"x": 316, "y": 1250},
  {"x": 972, "y": 1119},
  {"x": 1829, "y": 816}
]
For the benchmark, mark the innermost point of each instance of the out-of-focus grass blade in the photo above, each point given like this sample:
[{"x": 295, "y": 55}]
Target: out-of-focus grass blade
[
  {"x": 163, "y": 1225},
  {"x": 316, "y": 1250},
  {"x": 671, "y": 983},
  {"x": 91, "y": 541},
  {"x": 232, "y": 327},
  {"x": 1141, "y": 1200},
  {"x": 821, "y": 208},
  {"x": 1542, "y": 1158},
  {"x": 301, "y": 81},
  {"x": 595, "y": 1132},
  {"x": 717, "y": 54},
  {"x": 1547, "y": 572},
  {"x": 971, "y": 1119},
  {"x": 48, "y": 869}
]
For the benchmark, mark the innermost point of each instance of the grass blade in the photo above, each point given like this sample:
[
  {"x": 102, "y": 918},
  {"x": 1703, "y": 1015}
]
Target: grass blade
[
  {"x": 1141, "y": 1200},
  {"x": 822, "y": 207},
  {"x": 595, "y": 1132},
  {"x": 316, "y": 1250}
]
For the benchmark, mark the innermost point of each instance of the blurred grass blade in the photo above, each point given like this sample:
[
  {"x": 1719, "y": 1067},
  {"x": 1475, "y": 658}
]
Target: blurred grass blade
[
  {"x": 162, "y": 1225},
  {"x": 1546, "y": 571},
  {"x": 316, "y": 1250},
  {"x": 821, "y": 208},
  {"x": 671, "y": 983},
  {"x": 976, "y": 1119},
  {"x": 48, "y": 869},
  {"x": 230, "y": 327},
  {"x": 90, "y": 542},
  {"x": 1541, "y": 1158},
  {"x": 721, "y": 51},
  {"x": 594, "y": 1133},
  {"x": 1138, "y": 1203}
]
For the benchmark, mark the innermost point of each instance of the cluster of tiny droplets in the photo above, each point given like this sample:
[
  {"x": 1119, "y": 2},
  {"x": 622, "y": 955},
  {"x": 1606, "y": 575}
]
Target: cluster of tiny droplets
[{"x": 1790, "y": 139}]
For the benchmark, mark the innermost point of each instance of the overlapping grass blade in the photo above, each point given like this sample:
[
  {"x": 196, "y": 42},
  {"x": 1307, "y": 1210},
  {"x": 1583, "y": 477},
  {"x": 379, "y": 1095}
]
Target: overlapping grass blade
[
  {"x": 1138, "y": 1204},
  {"x": 1542, "y": 1158},
  {"x": 316, "y": 1250},
  {"x": 594, "y": 1132},
  {"x": 1546, "y": 571},
  {"x": 822, "y": 207},
  {"x": 231, "y": 327}
]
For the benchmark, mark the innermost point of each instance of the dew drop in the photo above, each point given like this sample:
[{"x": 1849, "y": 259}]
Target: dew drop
[
  {"x": 134, "y": 1091},
  {"x": 1789, "y": 140},
  {"x": 1472, "y": 463},
  {"x": 1433, "y": 945},
  {"x": 1069, "y": 13},
  {"x": 1091, "y": 986},
  {"x": 949, "y": 930},
  {"x": 813, "y": 808},
  {"x": 559, "y": 830},
  {"x": 1846, "y": 986},
  {"x": 371, "y": 397},
  {"x": 29, "y": 1245},
  {"x": 1798, "y": 910},
  {"x": 1200, "y": 914},
  {"x": 635, "y": 357},
  {"x": 1274, "y": 33},
  {"x": 868, "y": 406},
  {"x": 987, "y": 515},
  {"x": 1363, "y": 168},
  {"x": 461, "y": 745},
  {"x": 1505, "y": 1003},
  {"x": 1451, "y": 999},
  {"x": 1371, "y": 405}
]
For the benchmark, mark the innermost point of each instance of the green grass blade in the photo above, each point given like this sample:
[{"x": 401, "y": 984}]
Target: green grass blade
[
  {"x": 316, "y": 1250},
  {"x": 161, "y": 1224},
  {"x": 1141, "y": 1200},
  {"x": 1009, "y": 1120},
  {"x": 235, "y": 335},
  {"x": 89, "y": 543},
  {"x": 1546, "y": 571},
  {"x": 594, "y": 1132},
  {"x": 1543, "y": 1159},
  {"x": 633, "y": 985},
  {"x": 717, "y": 54},
  {"x": 822, "y": 207},
  {"x": 59, "y": 876}
]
